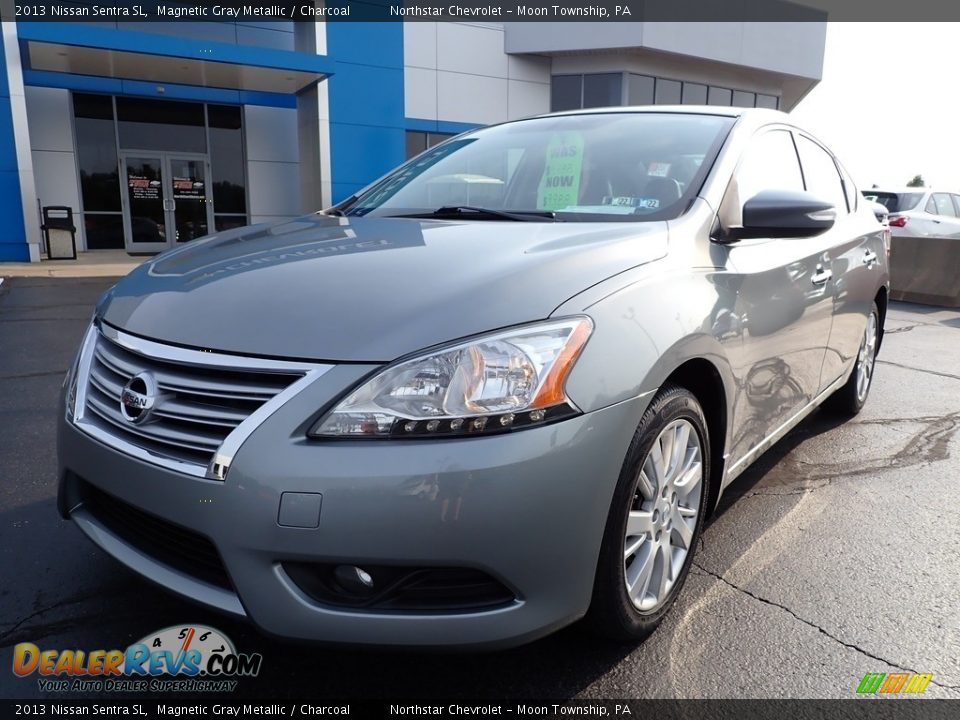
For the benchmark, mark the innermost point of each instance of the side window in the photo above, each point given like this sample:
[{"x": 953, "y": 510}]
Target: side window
[
  {"x": 931, "y": 206},
  {"x": 820, "y": 174},
  {"x": 770, "y": 163},
  {"x": 944, "y": 205},
  {"x": 849, "y": 188},
  {"x": 956, "y": 203}
]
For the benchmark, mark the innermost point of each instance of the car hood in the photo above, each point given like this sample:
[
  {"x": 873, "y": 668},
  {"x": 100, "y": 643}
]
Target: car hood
[{"x": 368, "y": 289}]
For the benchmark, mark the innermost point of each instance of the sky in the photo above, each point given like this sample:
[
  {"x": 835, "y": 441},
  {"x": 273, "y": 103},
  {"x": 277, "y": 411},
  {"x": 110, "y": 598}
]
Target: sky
[{"x": 887, "y": 105}]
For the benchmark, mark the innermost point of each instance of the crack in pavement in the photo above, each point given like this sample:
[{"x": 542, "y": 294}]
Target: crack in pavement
[
  {"x": 921, "y": 323},
  {"x": 6, "y": 635},
  {"x": 26, "y": 376},
  {"x": 919, "y": 370},
  {"x": 47, "y": 320},
  {"x": 928, "y": 445},
  {"x": 20, "y": 282},
  {"x": 905, "y": 328},
  {"x": 822, "y": 631},
  {"x": 27, "y": 308}
]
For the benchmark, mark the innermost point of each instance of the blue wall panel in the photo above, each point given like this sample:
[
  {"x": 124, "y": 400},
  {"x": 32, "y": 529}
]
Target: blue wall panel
[
  {"x": 8, "y": 151},
  {"x": 367, "y": 120},
  {"x": 13, "y": 238}
]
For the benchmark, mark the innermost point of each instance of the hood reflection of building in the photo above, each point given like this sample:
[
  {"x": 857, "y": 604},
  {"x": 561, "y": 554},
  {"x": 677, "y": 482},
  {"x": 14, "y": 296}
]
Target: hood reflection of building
[{"x": 314, "y": 236}]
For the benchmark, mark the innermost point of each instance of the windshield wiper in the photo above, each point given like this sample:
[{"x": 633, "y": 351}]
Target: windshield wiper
[{"x": 473, "y": 211}]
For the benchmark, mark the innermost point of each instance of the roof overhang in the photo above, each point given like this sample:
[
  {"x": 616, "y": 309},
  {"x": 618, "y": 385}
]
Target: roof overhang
[{"x": 163, "y": 59}]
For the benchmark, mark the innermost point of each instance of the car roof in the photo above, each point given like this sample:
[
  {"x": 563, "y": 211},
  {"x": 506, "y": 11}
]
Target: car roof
[
  {"x": 901, "y": 191},
  {"x": 760, "y": 113}
]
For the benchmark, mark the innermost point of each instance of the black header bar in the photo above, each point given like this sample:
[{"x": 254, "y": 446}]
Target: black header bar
[
  {"x": 480, "y": 11},
  {"x": 205, "y": 707},
  {"x": 126, "y": 11}
]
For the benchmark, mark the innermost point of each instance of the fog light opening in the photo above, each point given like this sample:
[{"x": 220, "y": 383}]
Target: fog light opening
[{"x": 354, "y": 580}]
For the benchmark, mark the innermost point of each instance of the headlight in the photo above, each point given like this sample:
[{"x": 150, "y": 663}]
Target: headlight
[{"x": 503, "y": 381}]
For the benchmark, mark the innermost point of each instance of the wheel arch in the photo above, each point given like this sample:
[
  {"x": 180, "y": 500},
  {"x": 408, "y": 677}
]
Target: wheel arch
[
  {"x": 704, "y": 380},
  {"x": 881, "y": 299}
]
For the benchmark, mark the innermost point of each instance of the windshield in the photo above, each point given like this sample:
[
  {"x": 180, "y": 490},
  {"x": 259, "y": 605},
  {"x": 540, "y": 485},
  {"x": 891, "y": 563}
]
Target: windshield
[
  {"x": 894, "y": 202},
  {"x": 603, "y": 166}
]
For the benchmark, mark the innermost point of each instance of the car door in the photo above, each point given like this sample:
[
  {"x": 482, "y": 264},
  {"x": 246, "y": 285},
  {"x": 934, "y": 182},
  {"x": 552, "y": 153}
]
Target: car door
[
  {"x": 783, "y": 302},
  {"x": 924, "y": 221},
  {"x": 853, "y": 247},
  {"x": 946, "y": 221}
]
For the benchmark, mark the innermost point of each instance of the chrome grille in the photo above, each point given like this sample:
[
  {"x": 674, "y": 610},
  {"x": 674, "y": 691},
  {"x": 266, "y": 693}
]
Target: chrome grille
[{"x": 202, "y": 398}]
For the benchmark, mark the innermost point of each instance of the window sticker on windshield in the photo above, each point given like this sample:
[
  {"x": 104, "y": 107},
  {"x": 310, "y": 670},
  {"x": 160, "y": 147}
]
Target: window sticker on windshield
[
  {"x": 561, "y": 179},
  {"x": 633, "y": 202},
  {"x": 658, "y": 169}
]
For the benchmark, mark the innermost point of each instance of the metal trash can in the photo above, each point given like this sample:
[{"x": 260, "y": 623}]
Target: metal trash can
[{"x": 59, "y": 232}]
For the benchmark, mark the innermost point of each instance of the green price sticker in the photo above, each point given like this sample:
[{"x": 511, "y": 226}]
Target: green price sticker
[{"x": 561, "y": 180}]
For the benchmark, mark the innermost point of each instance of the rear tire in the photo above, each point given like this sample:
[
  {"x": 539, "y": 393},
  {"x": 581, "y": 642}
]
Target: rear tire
[
  {"x": 849, "y": 400},
  {"x": 655, "y": 518}
]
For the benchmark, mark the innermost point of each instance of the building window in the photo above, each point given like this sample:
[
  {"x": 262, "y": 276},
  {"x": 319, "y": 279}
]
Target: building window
[
  {"x": 694, "y": 94},
  {"x": 573, "y": 92},
  {"x": 161, "y": 125},
  {"x": 418, "y": 141},
  {"x": 744, "y": 99},
  {"x": 668, "y": 92},
  {"x": 640, "y": 89},
  {"x": 602, "y": 90},
  {"x": 99, "y": 175},
  {"x": 767, "y": 101},
  {"x": 720, "y": 96},
  {"x": 227, "y": 166},
  {"x": 105, "y": 125},
  {"x": 566, "y": 92}
]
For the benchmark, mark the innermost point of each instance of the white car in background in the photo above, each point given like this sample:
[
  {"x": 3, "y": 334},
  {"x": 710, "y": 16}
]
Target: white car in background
[{"x": 919, "y": 212}]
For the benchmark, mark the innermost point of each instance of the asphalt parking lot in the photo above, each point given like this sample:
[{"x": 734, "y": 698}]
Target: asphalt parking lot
[{"x": 838, "y": 554}]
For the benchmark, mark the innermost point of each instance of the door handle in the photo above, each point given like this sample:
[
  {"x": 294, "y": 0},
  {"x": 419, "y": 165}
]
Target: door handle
[
  {"x": 821, "y": 276},
  {"x": 869, "y": 257}
]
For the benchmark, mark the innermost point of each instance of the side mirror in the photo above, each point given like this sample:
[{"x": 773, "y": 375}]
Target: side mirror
[{"x": 783, "y": 214}]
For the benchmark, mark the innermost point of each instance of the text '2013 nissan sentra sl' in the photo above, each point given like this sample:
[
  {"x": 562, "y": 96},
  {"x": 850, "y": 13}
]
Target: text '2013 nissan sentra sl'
[{"x": 496, "y": 392}]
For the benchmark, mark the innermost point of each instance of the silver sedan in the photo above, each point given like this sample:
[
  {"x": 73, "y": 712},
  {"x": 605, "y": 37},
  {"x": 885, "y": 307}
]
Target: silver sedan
[{"x": 495, "y": 392}]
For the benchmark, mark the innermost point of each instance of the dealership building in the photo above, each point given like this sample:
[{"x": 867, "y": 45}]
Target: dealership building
[{"x": 158, "y": 133}]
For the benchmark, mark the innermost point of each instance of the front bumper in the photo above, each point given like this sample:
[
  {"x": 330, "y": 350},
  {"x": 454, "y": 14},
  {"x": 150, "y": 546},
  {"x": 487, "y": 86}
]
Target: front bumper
[{"x": 528, "y": 508}]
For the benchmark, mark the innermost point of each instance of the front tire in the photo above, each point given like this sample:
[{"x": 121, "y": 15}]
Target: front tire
[
  {"x": 850, "y": 399},
  {"x": 655, "y": 518}
]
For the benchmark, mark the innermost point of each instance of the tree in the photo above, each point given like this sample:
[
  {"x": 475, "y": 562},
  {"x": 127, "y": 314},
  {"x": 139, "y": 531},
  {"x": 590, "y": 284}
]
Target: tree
[{"x": 917, "y": 181}]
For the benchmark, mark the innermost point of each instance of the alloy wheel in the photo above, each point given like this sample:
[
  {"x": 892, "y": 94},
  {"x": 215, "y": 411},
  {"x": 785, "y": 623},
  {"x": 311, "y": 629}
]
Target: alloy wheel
[
  {"x": 663, "y": 515},
  {"x": 866, "y": 358}
]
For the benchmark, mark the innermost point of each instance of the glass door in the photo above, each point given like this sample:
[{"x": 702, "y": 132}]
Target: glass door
[
  {"x": 191, "y": 209},
  {"x": 145, "y": 203},
  {"x": 167, "y": 200}
]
